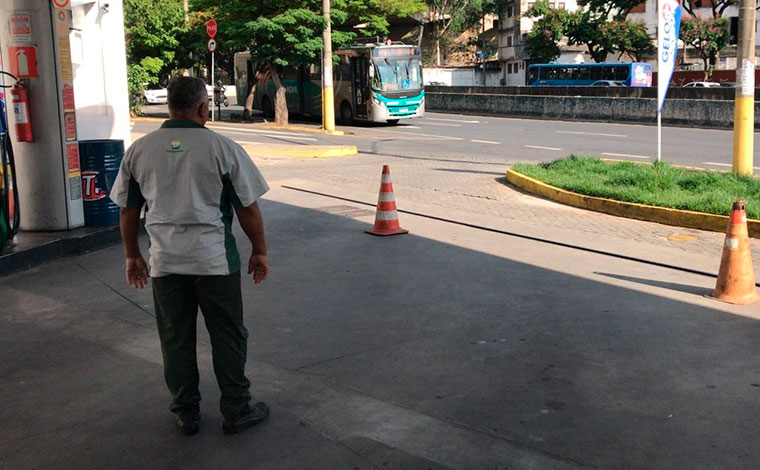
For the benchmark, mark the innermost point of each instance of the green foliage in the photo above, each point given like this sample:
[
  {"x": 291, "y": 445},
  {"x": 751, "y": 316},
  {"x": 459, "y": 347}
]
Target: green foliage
[
  {"x": 288, "y": 38},
  {"x": 601, "y": 27},
  {"x": 707, "y": 37},
  {"x": 630, "y": 37},
  {"x": 549, "y": 26},
  {"x": 152, "y": 30},
  {"x": 660, "y": 184}
]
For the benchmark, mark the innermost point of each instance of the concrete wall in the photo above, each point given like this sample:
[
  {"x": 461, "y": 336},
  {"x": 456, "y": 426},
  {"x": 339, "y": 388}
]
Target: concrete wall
[{"x": 692, "y": 113}]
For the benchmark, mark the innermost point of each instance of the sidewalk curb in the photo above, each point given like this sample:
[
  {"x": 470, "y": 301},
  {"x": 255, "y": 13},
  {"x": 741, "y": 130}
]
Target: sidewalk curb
[
  {"x": 59, "y": 248},
  {"x": 662, "y": 215},
  {"x": 302, "y": 151}
]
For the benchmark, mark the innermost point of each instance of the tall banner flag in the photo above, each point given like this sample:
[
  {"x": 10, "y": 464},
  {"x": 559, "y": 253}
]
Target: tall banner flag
[{"x": 668, "y": 25}]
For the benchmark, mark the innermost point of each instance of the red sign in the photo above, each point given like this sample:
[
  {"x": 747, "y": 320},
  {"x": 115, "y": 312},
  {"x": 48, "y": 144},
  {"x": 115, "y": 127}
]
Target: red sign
[
  {"x": 90, "y": 188},
  {"x": 68, "y": 97},
  {"x": 211, "y": 45},
  {"x": 61, "y": 3},
  {"x": 72, "y": 156},
  {"x": 23, "y": 61},
  {"x": 211, "y": 28},
  {"x": 70, "y": 126},
  {"x": 21, "y": 25}
]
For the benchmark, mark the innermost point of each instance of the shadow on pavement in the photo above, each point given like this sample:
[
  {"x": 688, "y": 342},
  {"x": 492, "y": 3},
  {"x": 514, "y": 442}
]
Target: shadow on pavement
[
  {"x": 418, "y": 336},
  {"x": 665, "y": 285}
]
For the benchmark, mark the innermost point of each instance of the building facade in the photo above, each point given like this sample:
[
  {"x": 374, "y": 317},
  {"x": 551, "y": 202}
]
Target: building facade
[{"x": 513, "y": 30}]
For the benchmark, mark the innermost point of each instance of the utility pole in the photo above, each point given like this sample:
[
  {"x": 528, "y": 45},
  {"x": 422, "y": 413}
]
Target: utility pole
[
  {"x": 744, "y": 104},
  {"x": 328, "y": 102}
]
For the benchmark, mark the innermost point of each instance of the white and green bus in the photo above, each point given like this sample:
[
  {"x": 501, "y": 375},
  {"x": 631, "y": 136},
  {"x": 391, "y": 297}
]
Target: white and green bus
[{"x": 372, "y": 82}]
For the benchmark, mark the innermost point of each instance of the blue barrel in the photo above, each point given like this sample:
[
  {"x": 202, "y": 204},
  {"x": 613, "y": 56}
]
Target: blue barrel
[{"x": 99, "y": 161}]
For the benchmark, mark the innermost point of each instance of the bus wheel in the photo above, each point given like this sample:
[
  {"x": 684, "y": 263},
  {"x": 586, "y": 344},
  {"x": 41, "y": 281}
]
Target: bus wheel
[
  {"x": 392, "y": 122},
  {"x": 266, "y": 107},
  {"x": 346, "y": 114}
]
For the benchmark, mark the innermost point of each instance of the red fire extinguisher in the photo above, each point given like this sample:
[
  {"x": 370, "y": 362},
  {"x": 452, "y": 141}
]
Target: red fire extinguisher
[{"x": 20, "y": 100}]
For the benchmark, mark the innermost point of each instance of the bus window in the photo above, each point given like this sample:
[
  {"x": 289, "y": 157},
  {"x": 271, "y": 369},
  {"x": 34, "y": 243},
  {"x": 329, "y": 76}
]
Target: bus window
[
  {"x": 532, "y": 75},
  {"x": 397, "y": 74},
  {"x": 622, "y": 73},
  {"x": 584, "y": 73}
]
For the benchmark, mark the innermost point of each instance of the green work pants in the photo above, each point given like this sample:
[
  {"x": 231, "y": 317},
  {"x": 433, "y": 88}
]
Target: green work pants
[{"x": 177, "y": 298}]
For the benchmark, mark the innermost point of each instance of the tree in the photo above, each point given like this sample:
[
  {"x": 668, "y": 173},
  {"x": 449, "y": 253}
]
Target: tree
[
  {"x": 707, "y": 37},
  {"x": 152, "y": 28},
  {"x": 283, "y": 33},
  {"x": 631, "y": 38},
  {"x": 549, "y": 27},
  {"x": 452, "y": 17},
  {"x": 600, "y": 26}
]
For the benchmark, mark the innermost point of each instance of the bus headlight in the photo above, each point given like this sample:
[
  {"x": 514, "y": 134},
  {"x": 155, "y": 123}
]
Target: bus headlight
[{"x": 377, "y": 101}]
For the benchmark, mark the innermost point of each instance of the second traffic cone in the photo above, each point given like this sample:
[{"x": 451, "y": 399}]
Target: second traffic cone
[
  {"x": 736, "y": 277},
  {"x": 386, "y": 217}
]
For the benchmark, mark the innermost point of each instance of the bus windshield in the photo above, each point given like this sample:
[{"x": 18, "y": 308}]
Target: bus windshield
[{"x": 397, "y": 74}]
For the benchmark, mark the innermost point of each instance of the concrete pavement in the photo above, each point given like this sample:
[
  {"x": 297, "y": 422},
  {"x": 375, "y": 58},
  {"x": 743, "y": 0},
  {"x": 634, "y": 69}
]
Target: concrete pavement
[{"x": 451, "y": 347}]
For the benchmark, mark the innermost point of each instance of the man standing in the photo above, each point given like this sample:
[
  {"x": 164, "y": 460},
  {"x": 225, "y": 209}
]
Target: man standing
[{"x": 190, "y": 179}]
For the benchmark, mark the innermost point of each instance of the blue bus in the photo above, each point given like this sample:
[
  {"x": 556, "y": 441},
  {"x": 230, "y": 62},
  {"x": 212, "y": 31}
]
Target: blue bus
[{"x": 628, "y": 73}]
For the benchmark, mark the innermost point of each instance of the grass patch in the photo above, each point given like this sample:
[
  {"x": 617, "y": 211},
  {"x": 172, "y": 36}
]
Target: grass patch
[{"x": 660, "y": 184}]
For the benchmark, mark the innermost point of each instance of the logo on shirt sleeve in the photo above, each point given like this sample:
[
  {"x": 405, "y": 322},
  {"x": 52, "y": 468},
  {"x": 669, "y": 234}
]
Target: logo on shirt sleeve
[{"x": 176, "y": 146}]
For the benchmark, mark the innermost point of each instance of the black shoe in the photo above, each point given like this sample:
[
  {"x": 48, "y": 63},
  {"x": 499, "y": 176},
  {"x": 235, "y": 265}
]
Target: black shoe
[
  {"x": 189, "y": 422},
  {"x": 251, "y": 415}
]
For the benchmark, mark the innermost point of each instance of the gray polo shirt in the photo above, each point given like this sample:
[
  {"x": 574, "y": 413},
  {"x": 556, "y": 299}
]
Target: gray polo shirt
[{"x": 190, "y": 179}]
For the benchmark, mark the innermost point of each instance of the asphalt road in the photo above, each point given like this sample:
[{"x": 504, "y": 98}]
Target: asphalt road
[{"x": 506, "y": 140}]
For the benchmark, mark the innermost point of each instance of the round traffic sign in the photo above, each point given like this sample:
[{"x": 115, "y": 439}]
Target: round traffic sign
[
  {"x": 211, "y": 45},
  {"x": 61, "y": 3},
  {"x": 211, "y": 28}
]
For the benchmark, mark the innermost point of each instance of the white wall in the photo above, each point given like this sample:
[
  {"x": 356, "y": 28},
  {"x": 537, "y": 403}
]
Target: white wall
[
  {"x": 454, "y": 76},
  {"x": 98, "y": 54}
]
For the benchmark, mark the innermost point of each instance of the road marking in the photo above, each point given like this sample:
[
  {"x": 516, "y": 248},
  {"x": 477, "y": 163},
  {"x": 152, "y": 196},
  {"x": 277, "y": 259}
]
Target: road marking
[
  {"x": 643, "y": 157},
  {"x": 312, "y": 139},
  {"x": 591, "y": 133},
  {"x": 452, "y": 120},
  {"x": 445, "y": 137},
  {"x": 486, "y": 142},
  {"x": 540, "y": 148},
  {"x": 256, "y": 131},
  {"x": 727, "y": 165},
  {"x": 412, "y": 127},
  {"x": 441, "y": 124}
]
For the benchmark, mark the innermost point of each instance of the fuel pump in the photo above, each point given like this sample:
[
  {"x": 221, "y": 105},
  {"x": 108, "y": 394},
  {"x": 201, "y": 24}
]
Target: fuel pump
[{"x": 9, "y": 213}]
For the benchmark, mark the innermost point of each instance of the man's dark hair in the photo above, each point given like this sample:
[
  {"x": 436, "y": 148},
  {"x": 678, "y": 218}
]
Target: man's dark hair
[{"x": 186, "y": 94}]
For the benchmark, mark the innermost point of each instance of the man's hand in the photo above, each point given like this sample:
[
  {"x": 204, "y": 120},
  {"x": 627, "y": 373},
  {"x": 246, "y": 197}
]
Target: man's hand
[
  {"x": 137, "y": 272},
  {"x": 259, "y": 266}
]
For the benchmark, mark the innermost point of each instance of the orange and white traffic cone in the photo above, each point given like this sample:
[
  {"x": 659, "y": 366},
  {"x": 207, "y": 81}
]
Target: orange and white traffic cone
[
  {"x": 736, "y": 277},
  {"x": 386, "y": 217}
]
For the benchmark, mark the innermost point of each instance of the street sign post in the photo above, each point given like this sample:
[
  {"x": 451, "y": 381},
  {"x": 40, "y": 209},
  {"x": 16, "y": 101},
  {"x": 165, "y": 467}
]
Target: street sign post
[{"x": 211, "y": 45}]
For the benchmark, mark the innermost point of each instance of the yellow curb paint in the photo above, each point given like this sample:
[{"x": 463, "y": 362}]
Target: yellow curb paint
[
  {"x": 682, "y": 238},
  {"x": 313, "y": 130},
  {"x": 306, "y": 151},
  {"x": 662, "y": 215}
]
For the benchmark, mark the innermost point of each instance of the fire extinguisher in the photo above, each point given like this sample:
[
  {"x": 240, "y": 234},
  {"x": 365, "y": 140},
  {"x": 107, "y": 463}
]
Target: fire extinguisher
[{"x": 20, "y": 100}]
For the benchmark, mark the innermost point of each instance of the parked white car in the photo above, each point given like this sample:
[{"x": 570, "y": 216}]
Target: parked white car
[
  {"x": 608, "y": 83},
  {"x": 157, "y": 96},
  {"x": 702, "y": 85}
]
